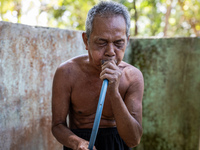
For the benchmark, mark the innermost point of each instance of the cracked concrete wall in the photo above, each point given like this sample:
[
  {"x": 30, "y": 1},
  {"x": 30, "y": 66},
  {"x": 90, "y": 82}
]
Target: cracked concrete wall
[{"x": 29, "y": 57}]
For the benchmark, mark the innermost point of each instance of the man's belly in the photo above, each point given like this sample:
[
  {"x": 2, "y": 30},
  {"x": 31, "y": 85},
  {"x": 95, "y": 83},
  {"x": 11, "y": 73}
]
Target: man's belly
[{"x": 80, "y": 122}]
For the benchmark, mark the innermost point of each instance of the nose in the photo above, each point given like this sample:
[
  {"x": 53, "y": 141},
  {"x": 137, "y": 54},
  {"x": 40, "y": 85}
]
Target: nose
[{"x": 110, "y": 51}]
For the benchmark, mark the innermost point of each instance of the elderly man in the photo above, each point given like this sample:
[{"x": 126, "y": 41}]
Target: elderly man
[{"x": 77, "y": 84}]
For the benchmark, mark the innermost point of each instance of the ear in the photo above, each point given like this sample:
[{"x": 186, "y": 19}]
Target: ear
[
  {"x": 129, "y": 37},
  {"x": 85, "y": 40},
  {"x": 128, "y": 40}
]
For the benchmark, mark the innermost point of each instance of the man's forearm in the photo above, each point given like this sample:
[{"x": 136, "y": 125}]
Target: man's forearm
[
  {"x": 128, "y": 127},
  {"x": 65, "y": 136}
]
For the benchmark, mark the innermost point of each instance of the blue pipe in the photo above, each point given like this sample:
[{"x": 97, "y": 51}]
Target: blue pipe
[{"x": 98, "y": 114}]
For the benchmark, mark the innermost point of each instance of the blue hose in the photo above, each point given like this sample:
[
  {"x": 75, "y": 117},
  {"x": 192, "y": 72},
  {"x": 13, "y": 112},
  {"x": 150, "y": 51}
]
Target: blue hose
[{"x": 98, "y": 114}]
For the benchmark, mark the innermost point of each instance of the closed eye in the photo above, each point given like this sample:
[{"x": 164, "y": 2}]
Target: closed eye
[
  {"x": 119, "y": 43},
  {"x": 102, "y": 42}
]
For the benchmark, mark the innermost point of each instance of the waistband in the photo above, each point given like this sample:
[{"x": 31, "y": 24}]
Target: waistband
[{"x": 101, "y": 131}]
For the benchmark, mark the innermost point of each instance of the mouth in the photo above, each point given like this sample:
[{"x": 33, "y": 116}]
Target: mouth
[{"x": 103, "y": 61}]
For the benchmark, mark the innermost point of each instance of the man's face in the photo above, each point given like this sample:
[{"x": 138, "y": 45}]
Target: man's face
[{"x": 108, "y": 40}]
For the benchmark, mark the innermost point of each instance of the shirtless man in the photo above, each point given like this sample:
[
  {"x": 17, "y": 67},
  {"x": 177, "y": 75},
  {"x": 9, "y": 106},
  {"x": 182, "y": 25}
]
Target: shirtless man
[{"x": 77, "y": 84}]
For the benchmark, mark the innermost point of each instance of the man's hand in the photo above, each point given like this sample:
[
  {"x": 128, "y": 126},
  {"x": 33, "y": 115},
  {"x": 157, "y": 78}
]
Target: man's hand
[
  {"x": 83, "y": 145},
  {"x": 111, "y": 72}
]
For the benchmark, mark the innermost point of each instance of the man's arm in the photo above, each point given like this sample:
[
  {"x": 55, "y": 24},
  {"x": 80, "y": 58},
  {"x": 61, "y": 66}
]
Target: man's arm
[
  {"x": 127, "y": 112},
  {"x": 60, "y": 108}
]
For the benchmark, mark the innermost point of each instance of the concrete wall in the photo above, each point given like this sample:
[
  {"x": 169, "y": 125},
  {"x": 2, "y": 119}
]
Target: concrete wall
[
  {"x": 171, "y": 104},
  {"x": 29, "y": 57}
]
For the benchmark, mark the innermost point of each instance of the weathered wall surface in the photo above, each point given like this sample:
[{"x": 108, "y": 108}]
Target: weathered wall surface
[
  {"x": 171, "y": 104},
  {"x": 29, "y": 57}
]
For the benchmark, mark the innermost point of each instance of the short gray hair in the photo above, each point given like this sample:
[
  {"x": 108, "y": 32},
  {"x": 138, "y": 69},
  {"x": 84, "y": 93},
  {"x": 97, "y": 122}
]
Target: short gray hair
[{"x": 103, "y": 9}]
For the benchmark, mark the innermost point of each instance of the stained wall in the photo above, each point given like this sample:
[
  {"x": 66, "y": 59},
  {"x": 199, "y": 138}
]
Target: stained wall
[
  {"x": 29, "y": 57},
  {"x": 171, "y": 103}
]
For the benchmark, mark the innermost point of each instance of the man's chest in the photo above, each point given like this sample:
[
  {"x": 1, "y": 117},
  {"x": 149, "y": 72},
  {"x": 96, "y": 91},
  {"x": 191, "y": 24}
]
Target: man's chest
[{"x": 85, "y": 96}]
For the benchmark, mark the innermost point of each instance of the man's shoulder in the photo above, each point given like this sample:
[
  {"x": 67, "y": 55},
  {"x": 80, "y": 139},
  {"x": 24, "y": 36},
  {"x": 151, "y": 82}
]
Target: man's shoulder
[
  {"x": 72, "y": 65},
  {"x": 129, "y": 68},
  {"x": 74, "y": 62},
  {"x": 130, "y": 71}
]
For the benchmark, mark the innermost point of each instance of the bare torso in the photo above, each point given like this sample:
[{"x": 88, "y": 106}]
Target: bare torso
[{"x": 85, "y": 95}]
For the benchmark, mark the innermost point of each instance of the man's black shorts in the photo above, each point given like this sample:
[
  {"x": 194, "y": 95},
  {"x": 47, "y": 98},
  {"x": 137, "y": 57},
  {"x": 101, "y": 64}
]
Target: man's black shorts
[{"x": 107, "y": 139}]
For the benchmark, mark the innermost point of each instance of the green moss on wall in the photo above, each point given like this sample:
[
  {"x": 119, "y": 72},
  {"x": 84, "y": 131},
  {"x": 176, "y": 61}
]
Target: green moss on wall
[{"x": 171, "y": 103}]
